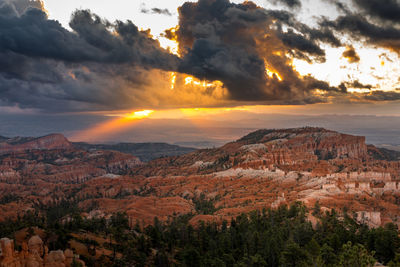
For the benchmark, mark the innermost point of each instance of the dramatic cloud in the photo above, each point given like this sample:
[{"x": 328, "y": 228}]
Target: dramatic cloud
[
  {"x": 289, "y": 3},
  {"x": 385, "y": 36},
  {"x": 19, "y": 7},
  {"x": 357, "y": 85},
  {"x": 237, "y": 43},
  {"x": 302, "y": 46},
  {"x": 156, "y": 10},
  {"x": 98, "y": 66},
  {"x": 382, "y": 96},
  {"x": 315, "y": 35},
  {"x": 103, "y": 65},
  {"x": 351, "y": 55},
  {"x": 33, "y": 35},
  {"x": 382, "y": 9},
  {"x": 382, "y": 33},
  {"x": 128, "y": 45}
]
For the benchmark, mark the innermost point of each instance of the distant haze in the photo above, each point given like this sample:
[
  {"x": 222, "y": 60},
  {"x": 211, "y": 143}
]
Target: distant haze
[{"x": 205, "y": 132}]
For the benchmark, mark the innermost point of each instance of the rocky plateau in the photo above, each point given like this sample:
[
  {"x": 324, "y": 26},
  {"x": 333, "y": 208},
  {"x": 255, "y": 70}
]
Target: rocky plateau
[{"x": 262, "y": 170}]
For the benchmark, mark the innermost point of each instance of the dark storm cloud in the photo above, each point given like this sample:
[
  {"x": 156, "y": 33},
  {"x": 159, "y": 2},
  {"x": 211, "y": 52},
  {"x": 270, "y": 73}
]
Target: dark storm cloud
[
  {"x": 54, "y": 87},
  {"x": 235, "y": 43},
  {"x": 46, "y": 66},
  {"x": 382, "y": 96},
  {"x": 358, "y": 85},
  {"x": 285, "y": 18},
  {"x": 360, "y": 24},
  {"x": 382, "y": 9},
  {"x": 43, "y": 65},
  {"x": 289, "y": 3},
  {"x": 351, "y": 55},
  {"x": 18, "y": 7},
  {"x": 302, "y": 46},
  {"x": 156, "y": 10},
  {"x": 33, "y": 35},
  {"x": 129, "y": 45},
  {"x": 385, "y": 36},
  {"x": 102, "y": 65}
]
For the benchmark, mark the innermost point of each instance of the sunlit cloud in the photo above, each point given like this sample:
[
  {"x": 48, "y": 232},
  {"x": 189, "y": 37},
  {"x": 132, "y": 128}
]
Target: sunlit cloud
[{"x": 196, "y": 60}]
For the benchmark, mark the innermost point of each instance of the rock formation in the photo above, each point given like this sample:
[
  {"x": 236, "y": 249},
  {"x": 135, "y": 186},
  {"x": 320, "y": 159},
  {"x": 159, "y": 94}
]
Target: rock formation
[
  {"x": 35, "y": 254},
  {"x": 264, "y": 169},
  {"x": 8, "y": 257},
  {"x": 299, "y": 149},
  {"x": 52, "y": 158}
]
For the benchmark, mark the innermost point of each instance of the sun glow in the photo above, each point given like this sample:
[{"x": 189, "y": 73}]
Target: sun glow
[
  {"x": 190, "y": 80},
  {"x": 113, "y": 126},
  {"x": 358, "y": 90},
  {"x": 199, "y": 112},
  {"x": 170, "y": 40},
  {"x": 173, "y": 80},
  {"x": 137, "y": 115},
  {"x": 273, "y": 74},
  {"x": 319, "y": 92}
]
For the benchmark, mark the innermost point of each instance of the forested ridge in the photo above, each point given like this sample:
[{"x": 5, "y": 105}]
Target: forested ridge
[{"x": 281, "y": 237}]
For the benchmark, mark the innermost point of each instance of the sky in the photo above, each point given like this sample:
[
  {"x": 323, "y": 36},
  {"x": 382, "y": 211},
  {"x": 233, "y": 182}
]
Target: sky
[{"x": 197, "y": 71}]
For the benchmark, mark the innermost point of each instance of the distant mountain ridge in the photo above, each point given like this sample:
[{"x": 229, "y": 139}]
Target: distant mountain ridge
[
  {"x": 322, "y": 145},
  {"x": 20, "y": 144},
  {"x": 381, "y": 153},
  {"x": 144, "y": 151}
]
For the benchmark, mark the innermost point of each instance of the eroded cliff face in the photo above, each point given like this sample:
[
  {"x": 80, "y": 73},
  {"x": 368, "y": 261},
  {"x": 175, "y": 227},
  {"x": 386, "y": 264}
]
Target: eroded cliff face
[
  {"x": 54, "y": 159},
  {"x": 295, "y": 143},
  {"x": 265, "y": 169},
  {"x": 268, "y": 168},
  {"x": 311, "y": 149},
  {"x": 39, "y": 169}
]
